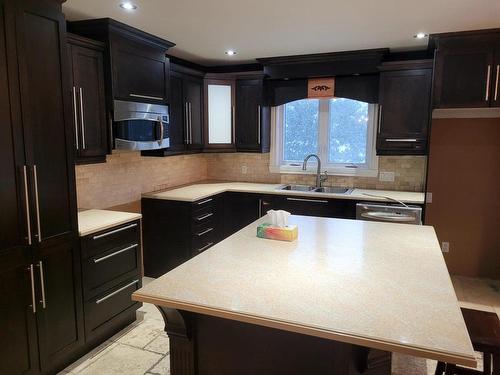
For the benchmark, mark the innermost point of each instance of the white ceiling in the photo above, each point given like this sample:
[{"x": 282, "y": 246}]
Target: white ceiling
[{"x": 204, "y": 29}]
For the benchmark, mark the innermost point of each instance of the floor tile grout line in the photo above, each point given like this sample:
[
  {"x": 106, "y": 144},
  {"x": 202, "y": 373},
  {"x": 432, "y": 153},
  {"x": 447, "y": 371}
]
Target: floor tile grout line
[{"x": 161, "y": 359}]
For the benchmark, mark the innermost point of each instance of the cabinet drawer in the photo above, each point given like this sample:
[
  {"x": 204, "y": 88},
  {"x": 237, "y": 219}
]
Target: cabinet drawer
[
  {"x": 100, "y": 242},
  {"x": 104, "y": 307},
  {"x": 106, "y": 269},
  {"x": 401, "y": 145},
  {"x": 203, "y": 204},
  {"x": 203, "y": 240},
  {"x": 203, "y": 215}
]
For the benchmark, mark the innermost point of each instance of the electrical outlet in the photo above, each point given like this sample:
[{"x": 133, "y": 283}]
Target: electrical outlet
[
  {"x": 428, "y": 198},
  {"x": 386, "y": 176},
  {"x": 445, "y": 247},
  {"x": 244, "y": 169}
]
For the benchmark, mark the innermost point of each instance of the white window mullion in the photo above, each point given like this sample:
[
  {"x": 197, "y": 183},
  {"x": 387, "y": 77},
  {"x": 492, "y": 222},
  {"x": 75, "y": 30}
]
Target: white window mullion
[{"x": 323, "y": 130}]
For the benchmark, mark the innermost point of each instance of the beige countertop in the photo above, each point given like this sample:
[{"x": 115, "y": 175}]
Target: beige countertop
[
  {"x": 92, "y": 221},
  {"x": 195, "y": 192},
  {"x": 374, "y": 284}
]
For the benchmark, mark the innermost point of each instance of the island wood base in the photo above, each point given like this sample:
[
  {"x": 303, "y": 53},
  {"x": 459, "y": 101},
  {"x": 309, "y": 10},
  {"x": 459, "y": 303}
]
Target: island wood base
[{"x": 205, "y": 345}]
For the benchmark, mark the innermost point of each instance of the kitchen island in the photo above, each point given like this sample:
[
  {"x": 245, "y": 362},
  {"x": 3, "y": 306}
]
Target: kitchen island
[{"x": 336, "y": 301}]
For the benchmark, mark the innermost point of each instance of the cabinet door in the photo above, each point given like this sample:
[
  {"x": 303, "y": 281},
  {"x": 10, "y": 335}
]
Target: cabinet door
[
  {"x": 240, "y": 209},
  {"x": 177, "y": 125},
  {"x": 193, "y": 92},
  {"x": 141, "y": 73},
  {"x": 248, "y": 115},
  {"x": 463, "y": 75},
  {"x": 219, "y": 114},
  {"x": 59, "y": 309},
  {"x": 18, "y": 348},
  {"x": 405, "y": 98},
  {"x": 89, "y": 97},
  {"x": 14, "y": 227},
  {"x": 46, "y": 113}
]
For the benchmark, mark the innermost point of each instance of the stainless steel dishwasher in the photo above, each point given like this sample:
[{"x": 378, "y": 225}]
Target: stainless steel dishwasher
[{"x": 393, "y": 213}]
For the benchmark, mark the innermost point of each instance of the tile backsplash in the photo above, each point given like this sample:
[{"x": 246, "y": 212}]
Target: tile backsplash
[
  {"x": 409, "y": 172},
  {"x": 126, "y": 175}
]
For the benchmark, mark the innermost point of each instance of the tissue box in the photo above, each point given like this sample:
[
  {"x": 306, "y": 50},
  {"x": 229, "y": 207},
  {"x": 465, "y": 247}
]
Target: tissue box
[{"x": 286, "y": 233}]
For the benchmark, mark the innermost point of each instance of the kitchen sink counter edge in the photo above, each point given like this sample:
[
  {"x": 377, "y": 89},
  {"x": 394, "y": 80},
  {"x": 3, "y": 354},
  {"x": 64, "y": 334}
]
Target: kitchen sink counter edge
[
  {"x": 93, "y": 221},
  {"x": 197, "y": 191}
]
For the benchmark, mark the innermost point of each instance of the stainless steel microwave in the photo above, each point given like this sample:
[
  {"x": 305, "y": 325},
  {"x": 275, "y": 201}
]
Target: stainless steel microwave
[{"x": 140, "y": 126}]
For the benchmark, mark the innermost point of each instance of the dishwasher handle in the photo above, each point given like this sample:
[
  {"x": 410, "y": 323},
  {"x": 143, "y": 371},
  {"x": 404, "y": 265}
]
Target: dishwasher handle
[{"x": 388, "y": 216}]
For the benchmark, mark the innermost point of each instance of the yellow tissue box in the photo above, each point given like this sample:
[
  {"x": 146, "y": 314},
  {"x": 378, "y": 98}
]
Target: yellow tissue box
[{"x": 287, "y": 233}]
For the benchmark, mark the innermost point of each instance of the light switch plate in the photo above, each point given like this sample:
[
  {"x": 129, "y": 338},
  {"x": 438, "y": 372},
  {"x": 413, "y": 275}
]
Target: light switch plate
[
  {"x": 386, "y": 176},
  {"x": 445, "y": 247},
  {"x": 244, "y": 169},
  {"x": 428, "y": 197}
]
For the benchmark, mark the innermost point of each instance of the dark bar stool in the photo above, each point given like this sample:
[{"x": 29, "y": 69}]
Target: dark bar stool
[{"x": 484, "y": 332}]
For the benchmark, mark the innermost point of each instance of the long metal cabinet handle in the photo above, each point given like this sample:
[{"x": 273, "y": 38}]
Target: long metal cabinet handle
[
  {"x": 116, "y": 292},
  {"x": 75, "y": 118},
  {"x": 186, "y": 121},
  {"x": 190, "y": 124},
  {"x": 400, "y": 139},
  {"x": 258, "y": 124},
  {"x": 379, "y": 118},
  {"x": 37, "y": 202},
  {"x": 204, "y": 232},
  {"x": 260, "y": 208},
  {"x": 488, "y": 78},
  {"x": 205, "y": 247},
  {"x": 203, "y": 217},
  {"x": 114, "y": 231},
  {"x": 33, "y": 300},
  {"x": 306, "y": 200},
  {"x": 233, "y": 121},
  {"x": 98, "y": 260},
  {"x": 82, "y": 121},
  {"x": 146, "y": 97},
  {"x": 205, "y": 201},
  {"x": 27, "y": 203},
  {"x": 496, "y": 82},
  {"x": 42, "y": 284}
]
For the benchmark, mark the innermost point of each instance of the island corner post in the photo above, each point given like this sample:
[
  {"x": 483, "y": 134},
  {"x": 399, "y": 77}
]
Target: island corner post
[{"x": 203, "y": 344}]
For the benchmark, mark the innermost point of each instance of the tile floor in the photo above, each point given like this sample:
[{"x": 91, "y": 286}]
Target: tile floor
[{"x": 143, "y": 347}]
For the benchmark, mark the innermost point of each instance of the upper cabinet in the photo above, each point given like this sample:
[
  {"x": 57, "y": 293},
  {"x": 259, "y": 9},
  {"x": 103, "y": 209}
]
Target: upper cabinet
[
  {"x": 88, "y": 99},
  {"x": 253, "y": 118},
  {"x": 404, "y": 111},
  {"x": 467, "y": 69},
  {"x": 219, "y": 114},
  {"x": 136, "y": 66}
]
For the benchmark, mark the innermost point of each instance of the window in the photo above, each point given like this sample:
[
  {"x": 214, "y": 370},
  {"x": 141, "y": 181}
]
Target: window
[{"x": 340, "y": 131}]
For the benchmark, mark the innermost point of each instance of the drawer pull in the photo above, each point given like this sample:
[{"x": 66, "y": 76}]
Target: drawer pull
[
  {"x": 114, "y": 231},
  {"x": 98, "y": 260},
  {"x": 307, "y": 200},
  {"x": 401, "y": 140},
  {"x": 146, "y": 97},
  {"x": 100, "y": 300},
  {"x": 200, "y": 218},
  {"x": 204, "y": 232},
  {"x": 205, "y": 201},
  {"x": 205, "y": 247}
]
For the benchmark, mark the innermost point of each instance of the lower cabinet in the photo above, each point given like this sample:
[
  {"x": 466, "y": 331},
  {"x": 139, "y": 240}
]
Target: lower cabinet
[
  {"x": 111, "y": 272},
  {"x": 176, "y": 231}
]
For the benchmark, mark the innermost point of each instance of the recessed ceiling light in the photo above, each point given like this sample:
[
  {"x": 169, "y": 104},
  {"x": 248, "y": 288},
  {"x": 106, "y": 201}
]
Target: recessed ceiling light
[
  {"x": 128, "y": 6},
  {"x": 230, "y": 52},
  {"x": 420, "y": 35}
]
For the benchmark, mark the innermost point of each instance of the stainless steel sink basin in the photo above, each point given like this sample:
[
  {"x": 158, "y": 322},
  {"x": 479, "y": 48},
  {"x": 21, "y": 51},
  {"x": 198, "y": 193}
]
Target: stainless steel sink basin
[
  {"x": 333, "y": 190},
  {"x": 297, "y": 188}
]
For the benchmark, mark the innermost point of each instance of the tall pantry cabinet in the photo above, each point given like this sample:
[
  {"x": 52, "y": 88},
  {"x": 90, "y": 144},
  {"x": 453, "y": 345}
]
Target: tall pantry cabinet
[{"x": 41, "y": 321}]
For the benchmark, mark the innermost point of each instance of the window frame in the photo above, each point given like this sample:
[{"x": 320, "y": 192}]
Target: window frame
[{"x": 278, "y": 165}]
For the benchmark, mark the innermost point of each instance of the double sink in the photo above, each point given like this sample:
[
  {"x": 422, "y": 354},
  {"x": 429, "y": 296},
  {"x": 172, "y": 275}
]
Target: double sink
[{"x": 314, "y": 189}]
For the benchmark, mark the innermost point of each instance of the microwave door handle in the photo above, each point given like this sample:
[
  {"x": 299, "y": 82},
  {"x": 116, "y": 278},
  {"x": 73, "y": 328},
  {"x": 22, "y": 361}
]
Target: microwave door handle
[{"x": 160, "y": 122}]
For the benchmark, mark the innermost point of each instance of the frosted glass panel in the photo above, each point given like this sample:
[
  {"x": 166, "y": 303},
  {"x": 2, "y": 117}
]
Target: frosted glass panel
[{"x": 219, "y": 114}]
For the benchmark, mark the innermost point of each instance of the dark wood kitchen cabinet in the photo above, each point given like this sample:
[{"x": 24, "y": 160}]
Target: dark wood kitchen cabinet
[
  {"x": 186, "y": 113},
  {"x": 405, "y": 108},
  {"x": 241, "y": 209},
  {"x": 312, "y": 206},
  {"x": 86, "y": 58},
  {"x": 253, "y": 118},
  {"x": 467, "y": 69},
  {"x": 175, "y": 231},
  {"x": 136, "y": 66},
  {"x": 41, "y": 317}
]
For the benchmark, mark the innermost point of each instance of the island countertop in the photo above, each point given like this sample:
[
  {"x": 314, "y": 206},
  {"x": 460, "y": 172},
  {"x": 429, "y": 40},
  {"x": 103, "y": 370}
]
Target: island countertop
[
  {"x": 194, "y": 192},
  {"x": 378, "y": 285}
]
